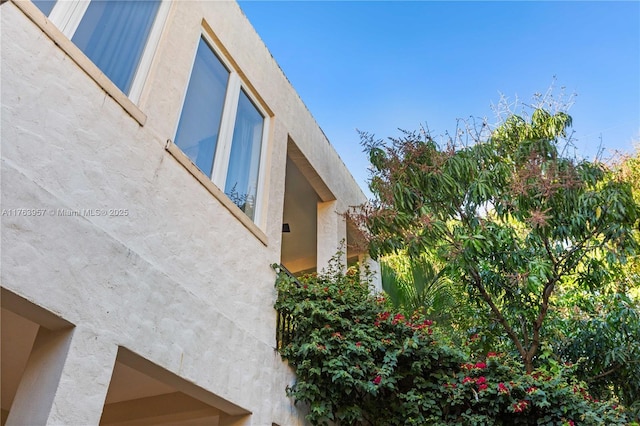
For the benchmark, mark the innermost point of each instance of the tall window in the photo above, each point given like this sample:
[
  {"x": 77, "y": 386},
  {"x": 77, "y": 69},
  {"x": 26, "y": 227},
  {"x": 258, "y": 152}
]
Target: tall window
[
  {"x": 199, "y": 126},
  {"x": 244, "y": 162},
  {"x": 112, "y": 33},
  {"x": 221, "y": 129}
]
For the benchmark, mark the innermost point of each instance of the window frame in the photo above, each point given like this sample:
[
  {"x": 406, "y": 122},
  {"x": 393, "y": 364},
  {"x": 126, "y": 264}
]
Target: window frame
[
  {"x": 67, "y": 15},
  {"x": 222, "y": 154}
]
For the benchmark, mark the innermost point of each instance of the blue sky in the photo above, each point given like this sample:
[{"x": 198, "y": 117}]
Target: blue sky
[{"x": 382, "y": 65}]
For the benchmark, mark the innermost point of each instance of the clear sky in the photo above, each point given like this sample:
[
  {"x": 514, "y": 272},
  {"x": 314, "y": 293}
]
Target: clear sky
[{"x": 382, "y": 65}]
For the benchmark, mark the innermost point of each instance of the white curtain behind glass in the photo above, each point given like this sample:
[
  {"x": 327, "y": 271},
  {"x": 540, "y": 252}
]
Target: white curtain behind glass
[
  {"x": 113, "y": 35},
  {"x": 242, "y": 176}
]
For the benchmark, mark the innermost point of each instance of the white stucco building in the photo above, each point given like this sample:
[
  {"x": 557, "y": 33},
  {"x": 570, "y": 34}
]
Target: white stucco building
[{"x": 153, "y": 153}]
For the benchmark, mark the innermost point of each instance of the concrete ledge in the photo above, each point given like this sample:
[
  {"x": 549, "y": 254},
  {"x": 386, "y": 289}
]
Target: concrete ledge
[
  {"x": 77, "y": 56},
  {"x": 186, "y": 162},
  {"x": 133, "y": 360},
  {"x": 30, "y": 310},
  {"x": 172, "y": 408}
]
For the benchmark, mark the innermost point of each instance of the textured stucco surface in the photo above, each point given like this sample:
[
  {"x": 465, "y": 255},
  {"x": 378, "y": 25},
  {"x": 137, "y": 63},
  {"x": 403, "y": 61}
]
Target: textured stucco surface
[{"x": 178, "y": 280}]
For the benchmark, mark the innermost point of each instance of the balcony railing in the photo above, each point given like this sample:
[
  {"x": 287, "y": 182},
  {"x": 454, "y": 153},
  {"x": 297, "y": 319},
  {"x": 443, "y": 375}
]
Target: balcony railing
[{"x": 285, "y": 323}]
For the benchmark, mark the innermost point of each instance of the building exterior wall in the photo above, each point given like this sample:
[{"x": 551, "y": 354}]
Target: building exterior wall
[{"x": 171, "y": 275}]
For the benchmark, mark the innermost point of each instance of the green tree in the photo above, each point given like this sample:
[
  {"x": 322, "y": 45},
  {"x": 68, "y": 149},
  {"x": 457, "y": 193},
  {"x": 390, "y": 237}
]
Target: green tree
[
  {"x": 416, "y": 285},
  {"x": 359, "y": 362},
  {"x": 421, "y": 285},
  {"x": 598, "y": 331},
  {"x": 627, "y": 168},
  {"x": 600, "y": 334},
  {"x": 509, "y": 215}
]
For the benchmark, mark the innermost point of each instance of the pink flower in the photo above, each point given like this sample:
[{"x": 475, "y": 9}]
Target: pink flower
[
  {"x": 377, "y": 380},
  {"x": 481, "y": 365},
  {"x": 531, "y": 389},
  {"x": 467, "y": 380},
  {"x": 502, "y": 388},
  {"x": 358, "y": 344},
  {"x": 397, "y": 318},
  {"x": 520, "y": 406},
  {"x": 483, "y": 387},
  {"x": 492, "y": 355},
  {"x": 480, "y": 380},
  {"x": 383, "y": 316}
]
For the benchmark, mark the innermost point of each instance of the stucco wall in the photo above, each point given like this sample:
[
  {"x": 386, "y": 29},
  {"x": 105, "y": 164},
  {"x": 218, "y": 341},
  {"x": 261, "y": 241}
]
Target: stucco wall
[{"x": 177, "y": 279}]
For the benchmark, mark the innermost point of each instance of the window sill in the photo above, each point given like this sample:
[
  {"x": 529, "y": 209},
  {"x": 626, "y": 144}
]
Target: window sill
[
  {"x": 77, "y": 56},
  {"x": 215, "y": 191}
]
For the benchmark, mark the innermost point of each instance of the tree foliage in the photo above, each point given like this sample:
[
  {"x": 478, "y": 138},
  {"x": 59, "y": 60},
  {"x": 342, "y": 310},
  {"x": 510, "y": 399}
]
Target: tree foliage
[
  {"x": 511, "y": 217},
  {"x": 421, "y": 285},
  {"x": 355, "y": 362},
  {"x": 417, "y": 284},
  {"x": 627, "y": 168},
  {"x": 600, "y": 334},
  {"x": 359, "y": 362}
]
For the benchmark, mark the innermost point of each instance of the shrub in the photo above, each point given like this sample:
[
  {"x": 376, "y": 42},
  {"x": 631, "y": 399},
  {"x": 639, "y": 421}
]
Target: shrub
[{"x": 359, "y": 363}]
